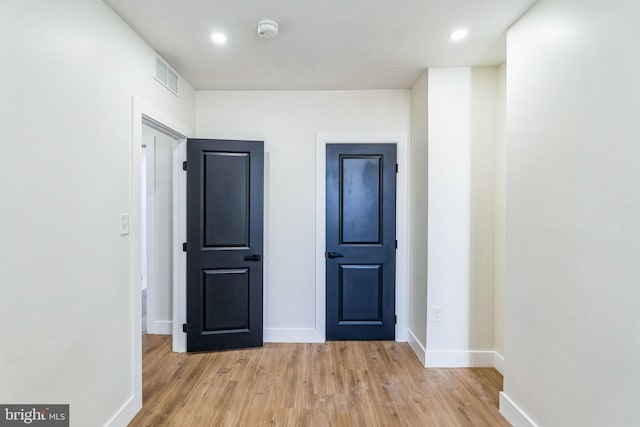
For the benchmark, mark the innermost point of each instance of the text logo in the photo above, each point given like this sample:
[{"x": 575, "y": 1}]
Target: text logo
[{"x": 34, "y": 415}]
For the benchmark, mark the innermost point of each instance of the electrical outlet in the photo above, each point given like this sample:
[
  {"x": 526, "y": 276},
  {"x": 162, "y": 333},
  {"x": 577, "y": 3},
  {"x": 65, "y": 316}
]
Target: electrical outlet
[
  {"x": 124, "y": 224},
  {"x": 437, "y": 313}
]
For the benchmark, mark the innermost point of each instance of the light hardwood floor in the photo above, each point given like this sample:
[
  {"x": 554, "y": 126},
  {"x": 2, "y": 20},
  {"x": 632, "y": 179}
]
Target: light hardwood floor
[{"x": 367, "y": 383}]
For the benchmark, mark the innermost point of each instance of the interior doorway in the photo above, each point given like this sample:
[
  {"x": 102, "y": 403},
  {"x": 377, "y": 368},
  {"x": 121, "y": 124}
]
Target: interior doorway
[
  {"x": 402, "y": 217},
  {"x": 144, "y": 113},
  {"x": 156, "y": 229},
  {"x": 361, "y": 241}
]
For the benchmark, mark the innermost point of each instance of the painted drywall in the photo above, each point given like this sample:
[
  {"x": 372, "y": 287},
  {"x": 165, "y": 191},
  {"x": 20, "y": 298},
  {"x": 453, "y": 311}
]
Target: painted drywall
[
  {"x": 70, "y": 68},
  {"x": 418, "y": 156},
  {"x": 499, "y": 209},
  {"x": 461, "y": 154},
  {"x": 147, "y": 196},
  {"x": 288, "y": 122},
  {"x": 484, "y": 91},
  {"x": 573, "y": 232},
  {"x": 160, "y": 184}
]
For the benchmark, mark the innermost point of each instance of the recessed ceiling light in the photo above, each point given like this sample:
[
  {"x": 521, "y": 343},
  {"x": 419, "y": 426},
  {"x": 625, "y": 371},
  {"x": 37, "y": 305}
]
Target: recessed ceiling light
[
  {"x": 219, "y": 38},
  {"x": 458, "y": 35}
]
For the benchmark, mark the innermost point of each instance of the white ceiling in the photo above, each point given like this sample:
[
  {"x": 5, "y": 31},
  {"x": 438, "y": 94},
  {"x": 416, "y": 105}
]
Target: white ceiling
[{"x": 322, "y": 44}]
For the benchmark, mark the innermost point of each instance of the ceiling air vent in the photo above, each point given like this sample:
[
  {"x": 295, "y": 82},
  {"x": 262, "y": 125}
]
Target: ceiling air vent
[{"x": 166, "y": 75}]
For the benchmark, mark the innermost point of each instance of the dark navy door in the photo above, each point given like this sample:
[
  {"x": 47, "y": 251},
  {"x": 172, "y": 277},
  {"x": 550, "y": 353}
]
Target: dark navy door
[
  {"x": 224, "y": 244},
  {"x": 361, "y": 241}
]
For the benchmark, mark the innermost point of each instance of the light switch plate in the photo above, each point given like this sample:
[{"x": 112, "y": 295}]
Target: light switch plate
[{"x": 124, "y": 224}]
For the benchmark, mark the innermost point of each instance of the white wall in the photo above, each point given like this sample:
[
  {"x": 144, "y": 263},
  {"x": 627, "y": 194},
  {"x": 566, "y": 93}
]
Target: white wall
[
  {"x": 572, "y": 329},
  {"x": 499, "y": 211},
  {"x": 146, "y": 198},
  {"x": 484, "y": 91},
  {"x": 288, "y": 122},
  {"x": 160, "y": 293},
  {"x": 69, "y": 70},
  {"x": 418, "y": 156},
  {"x": 460, "y": 219}
]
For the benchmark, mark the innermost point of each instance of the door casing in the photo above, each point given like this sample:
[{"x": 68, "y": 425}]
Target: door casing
[
  {"x": 145, "y": 112},
  {"x": 402, "y": 212}
]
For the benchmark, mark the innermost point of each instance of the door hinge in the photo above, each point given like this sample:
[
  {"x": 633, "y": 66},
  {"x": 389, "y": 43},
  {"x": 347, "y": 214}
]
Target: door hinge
[
  {"x": 396, "y": 244},
  {"x": 184, "y": 166},
  {"x": 185, "y": 328},
  {"x": 395, "y": 319},
  {"x": 396, "y": 168},
  {"x": 184, "y": 247}
]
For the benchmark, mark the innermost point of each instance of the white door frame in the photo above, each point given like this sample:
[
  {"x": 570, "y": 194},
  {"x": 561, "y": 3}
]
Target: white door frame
[
  {"x": 402, "y": 219},
  {"x": 143, "y": 111},
  {"x": 179, "y": 256}
]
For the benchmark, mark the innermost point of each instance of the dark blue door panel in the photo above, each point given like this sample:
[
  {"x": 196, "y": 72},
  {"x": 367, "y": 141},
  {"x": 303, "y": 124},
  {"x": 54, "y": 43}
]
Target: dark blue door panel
[
  {"x": 361, "y": 241},
  {"x": 224, "y": 244}
]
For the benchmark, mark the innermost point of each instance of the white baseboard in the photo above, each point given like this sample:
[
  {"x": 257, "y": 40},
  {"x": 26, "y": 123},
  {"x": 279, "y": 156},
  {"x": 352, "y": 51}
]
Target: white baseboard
[
  {"x": 512, "y": 413},
  {"x": 160, "y": 327},
  {"x": 459, "y": 359},
  {"x": 297, "y": 335},
  {"x": 416, "y": 346},
  {"x": 498, "y": 362},
  {"x": 125, "y": 414}
]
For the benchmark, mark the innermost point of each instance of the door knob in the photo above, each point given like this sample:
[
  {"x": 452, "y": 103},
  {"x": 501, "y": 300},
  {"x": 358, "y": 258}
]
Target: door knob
[
  {"x": 332, "y": 254},
  {"x": 254, "y": 257}
]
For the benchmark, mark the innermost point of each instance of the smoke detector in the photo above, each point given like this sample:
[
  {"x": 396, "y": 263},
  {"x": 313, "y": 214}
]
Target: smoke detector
[{"x": 267, "y": 29}]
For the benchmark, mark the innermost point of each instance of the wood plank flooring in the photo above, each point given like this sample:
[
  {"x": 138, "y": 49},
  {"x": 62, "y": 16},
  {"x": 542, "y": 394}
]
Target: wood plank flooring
[{"x": 367, "y": 383}]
